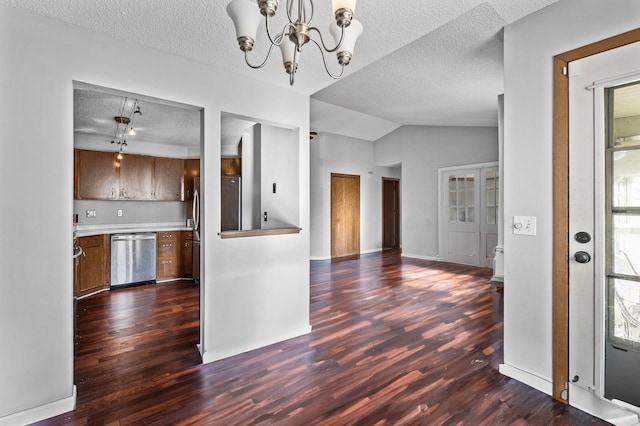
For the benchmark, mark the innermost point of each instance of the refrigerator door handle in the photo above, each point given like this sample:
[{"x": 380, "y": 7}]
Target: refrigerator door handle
[{"x": 195, "y": 213}]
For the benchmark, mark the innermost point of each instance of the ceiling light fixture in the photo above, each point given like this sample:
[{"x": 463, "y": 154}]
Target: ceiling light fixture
[
  {"x": 296, "y": 33},
  {"x": 123, "y": 123}
]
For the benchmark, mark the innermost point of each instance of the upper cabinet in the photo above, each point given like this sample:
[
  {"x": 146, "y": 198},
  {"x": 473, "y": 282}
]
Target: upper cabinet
[
  {"x": 95, "y": 175},
  {"x": 101, "y": 176},
  {"x": 168, "y": 176},
  {"x": 191, "y": 172},
  {"x": 136, "y": 177}
]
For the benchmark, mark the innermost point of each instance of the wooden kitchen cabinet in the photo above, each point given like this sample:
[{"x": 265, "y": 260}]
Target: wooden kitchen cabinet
[
  {"x": 136, "y": 177},
  {"x": 92, "y": 268},
  {"x": 174, "y": 256},
  {"x": 191, "y": 171},
  {"x": 167, "y": 259},
  {"x": 99, "y": 175},
  {"x": 231, "y": 166},
  {"x": 186, "y": 248},
  {"x": 95, "y": 176},
  {"x": 168, "y": 177}
]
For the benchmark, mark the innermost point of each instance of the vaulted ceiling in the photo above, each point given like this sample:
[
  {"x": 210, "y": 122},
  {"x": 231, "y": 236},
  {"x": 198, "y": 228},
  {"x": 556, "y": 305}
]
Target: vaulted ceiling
[{"x": 436, "y": 62}]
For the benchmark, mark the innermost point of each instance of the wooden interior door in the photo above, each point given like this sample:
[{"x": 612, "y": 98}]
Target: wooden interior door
[
  {"x": 390, "y": 213},
  {"x": 345, "y": 215}
]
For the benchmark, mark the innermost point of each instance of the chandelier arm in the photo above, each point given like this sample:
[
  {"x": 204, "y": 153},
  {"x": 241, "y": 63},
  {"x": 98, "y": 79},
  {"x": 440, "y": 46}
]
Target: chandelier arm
[
  {"x": 277, "y": 41},
  {"x": 289, "y": 10},
  {"x": 255, "y": 67},
  {"x": 312, "y": 10},
  {"x": 324, "y": 46},
  {"x": 324, "y": 61}
]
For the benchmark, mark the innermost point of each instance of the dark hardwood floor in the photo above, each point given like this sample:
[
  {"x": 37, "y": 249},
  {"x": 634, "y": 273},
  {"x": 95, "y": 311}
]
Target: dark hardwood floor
[{"x": 395, "y": 341}]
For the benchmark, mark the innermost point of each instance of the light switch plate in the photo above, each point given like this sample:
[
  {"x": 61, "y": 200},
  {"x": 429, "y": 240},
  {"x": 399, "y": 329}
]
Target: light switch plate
[{"x": 524, "y": 225}]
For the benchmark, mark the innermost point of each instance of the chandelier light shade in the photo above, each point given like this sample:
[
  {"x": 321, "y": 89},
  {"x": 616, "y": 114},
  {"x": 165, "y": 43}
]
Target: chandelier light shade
[
  {"x": 298, "y": 31},
  {"x": 246, "y": 18},
  {"x": 351, "y": 34}
]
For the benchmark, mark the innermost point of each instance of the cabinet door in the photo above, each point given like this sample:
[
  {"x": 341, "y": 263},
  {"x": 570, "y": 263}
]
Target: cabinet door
[
  {"x": 167, "y": 255},
  {"x": 191, "y": 171},
  {"x": 186, "y": 247},
  {"x": 231, "y": 166},
  {"x": 91, "y": 268},
  {"x": 168, "y": 178},
  {"x": 136, "y": 177},
  {"x": 95, "y": 175}
]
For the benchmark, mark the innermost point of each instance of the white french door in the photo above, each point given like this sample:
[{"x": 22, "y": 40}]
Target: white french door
[
  {"x": 469, "y": 214},
  {"x": 604, "y": 227}
]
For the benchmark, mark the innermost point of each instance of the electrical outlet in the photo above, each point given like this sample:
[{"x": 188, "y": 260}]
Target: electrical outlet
[
  {"x": 91, "y": 213},
  {"x": 119, "y": 212},
  {"x": 524, "y": 225}
]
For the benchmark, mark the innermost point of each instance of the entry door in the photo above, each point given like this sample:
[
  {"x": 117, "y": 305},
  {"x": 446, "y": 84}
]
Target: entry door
[
  {"x": 604, "y": 224},
  {"x": 345, "y": 215},
  {"x": 390, "y": 213},
  {"x": 469, "y": 215}
]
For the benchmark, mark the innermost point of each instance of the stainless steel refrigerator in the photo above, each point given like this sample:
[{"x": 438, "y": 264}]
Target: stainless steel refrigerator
[{"x": 231, "y": 199}]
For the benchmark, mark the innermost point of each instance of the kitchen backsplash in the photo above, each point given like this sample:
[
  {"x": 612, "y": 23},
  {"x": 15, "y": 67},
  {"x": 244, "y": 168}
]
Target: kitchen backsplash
[{"x": 106, "y": 212}]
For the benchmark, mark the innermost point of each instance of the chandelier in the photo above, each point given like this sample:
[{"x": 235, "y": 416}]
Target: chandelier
[
  {"x": 296, "y": 32},
  {"x": 124, "y": 125}
]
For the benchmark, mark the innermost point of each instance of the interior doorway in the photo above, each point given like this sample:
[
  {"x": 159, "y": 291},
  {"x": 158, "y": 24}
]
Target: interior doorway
[
  {"x": 390, "y": 213},
  {"x": 469, "y": 208},
  {"x": 137, "y": 171},
  {"x": 345, "y": 215}
]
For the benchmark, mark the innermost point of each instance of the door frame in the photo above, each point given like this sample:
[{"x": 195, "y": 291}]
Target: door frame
[
  {"x": 396, "y": 201},
  {"x": 560, "y": 297}
]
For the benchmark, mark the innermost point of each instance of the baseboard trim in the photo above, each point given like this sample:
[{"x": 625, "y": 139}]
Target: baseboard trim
[
  {"x": 536, "y": 382},
  {"x": 216, "y": 355},
  {"x": 418, "y": 256},
  {"x": 497, "y": 281},
  {"x": 320, "y": 258},
  {"x": 600, "y": 407},
  {"x": 376, "y": 250},
  {"x": 41, "y": 412}
]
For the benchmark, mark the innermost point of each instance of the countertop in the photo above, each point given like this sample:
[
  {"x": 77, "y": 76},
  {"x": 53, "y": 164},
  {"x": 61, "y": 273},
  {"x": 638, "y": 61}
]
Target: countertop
[{"x": 83, "y": 230}]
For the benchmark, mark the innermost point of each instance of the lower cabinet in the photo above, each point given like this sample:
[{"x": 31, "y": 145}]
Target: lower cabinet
[
  {"x": 92, "y": 267},
  {"x": 186, "y": 247},
  {"x": 174, "y": 258},
  {"x": 167, "y": 255}
]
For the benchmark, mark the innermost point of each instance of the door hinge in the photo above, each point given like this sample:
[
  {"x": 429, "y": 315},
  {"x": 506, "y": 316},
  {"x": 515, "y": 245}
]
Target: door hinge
[{"x": 565, "y": 70}]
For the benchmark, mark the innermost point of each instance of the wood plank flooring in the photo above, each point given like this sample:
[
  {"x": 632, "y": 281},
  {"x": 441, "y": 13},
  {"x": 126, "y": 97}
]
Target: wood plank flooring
[{"x": 395, "y": 341}]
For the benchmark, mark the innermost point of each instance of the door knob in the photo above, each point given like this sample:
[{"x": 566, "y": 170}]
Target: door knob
[{"x": 582, "y": 257}]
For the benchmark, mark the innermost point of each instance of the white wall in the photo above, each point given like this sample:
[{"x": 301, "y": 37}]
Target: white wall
[
  {"x": 530, "y": 45},
  {"x": 422, "y": 150},
  {"x": 255, "y": 290},
  {"x": 279, "y": 152},
  {"x": 331, "y": 153}
]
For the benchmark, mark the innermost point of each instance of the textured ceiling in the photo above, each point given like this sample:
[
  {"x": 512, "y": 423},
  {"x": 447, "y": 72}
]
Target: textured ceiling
[
  {"x": 161, "y": 122},
  {"x": 417, "y": 62}
]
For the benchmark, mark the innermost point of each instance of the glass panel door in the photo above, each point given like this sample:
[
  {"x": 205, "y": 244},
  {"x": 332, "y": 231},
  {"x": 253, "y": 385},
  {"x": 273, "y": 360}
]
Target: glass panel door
[{"x": 622, "y": 352}]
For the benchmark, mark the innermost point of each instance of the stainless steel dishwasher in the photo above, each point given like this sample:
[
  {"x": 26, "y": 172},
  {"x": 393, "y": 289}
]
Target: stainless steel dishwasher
[{"x": 133, "y": 258}]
